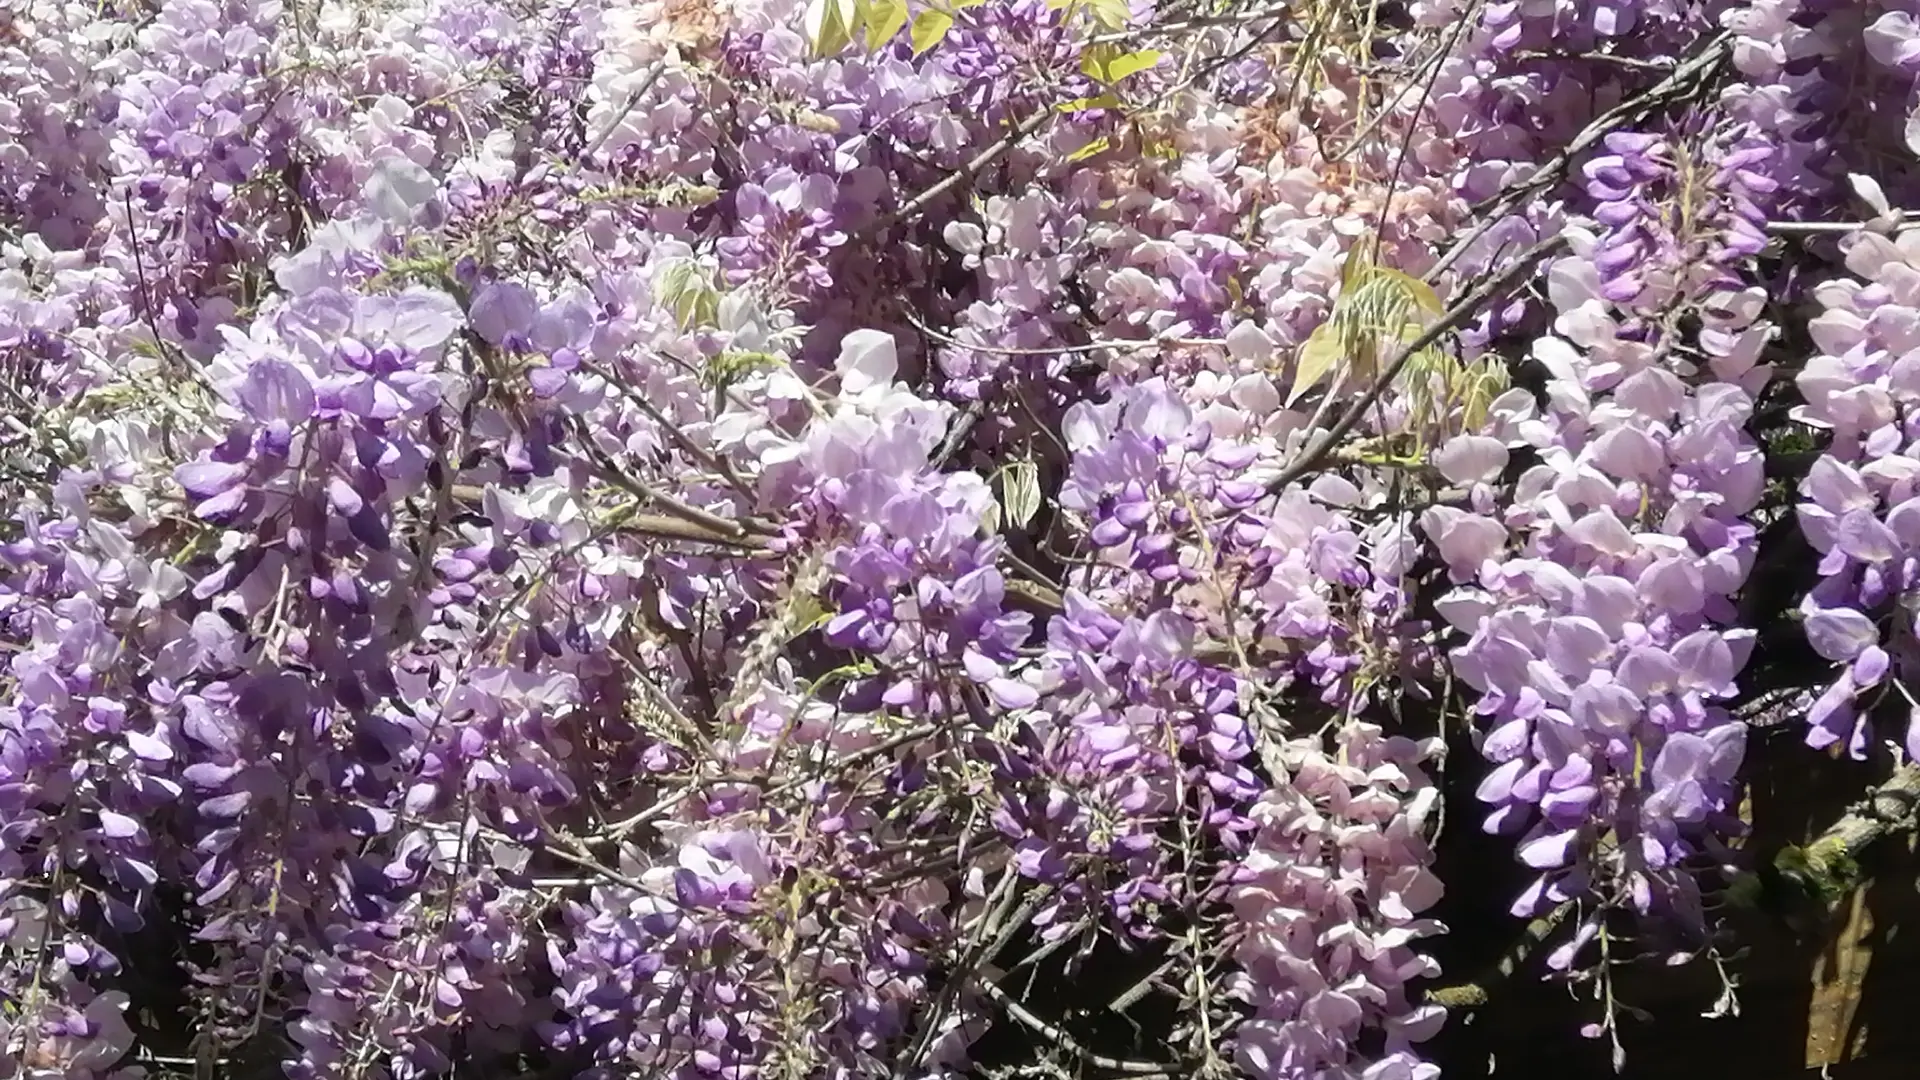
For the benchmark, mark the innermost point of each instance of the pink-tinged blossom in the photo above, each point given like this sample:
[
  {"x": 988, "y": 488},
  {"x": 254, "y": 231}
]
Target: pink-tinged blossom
[{"x": 1330, "y": 897}]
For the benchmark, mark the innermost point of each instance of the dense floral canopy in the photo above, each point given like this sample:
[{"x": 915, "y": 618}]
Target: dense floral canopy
[{"x": 717, "y": 538}]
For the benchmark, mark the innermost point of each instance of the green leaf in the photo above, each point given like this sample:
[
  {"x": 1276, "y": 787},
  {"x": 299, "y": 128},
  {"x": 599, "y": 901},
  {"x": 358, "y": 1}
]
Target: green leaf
[
  {"x": 831, "y": 24},
  {"x": 1357, "y": 268},
  {"x": 1020, "y": 491},
  {"x": 1319, "y": 356},
  {"x": 1111, "y": 14},
  {"x": 928, "y": 28},
  {"x": 1092, "y": 148},
  {"x": 685, "y": 291},
  {"x": 733, "y": 365},
  {"x": 1486, "y": 381},
  {"x": 1131, "y": 64},
  {"x": 990, "y": 517},
  {"x": 1418, "y": 291},
  {"x": 1103, "y": 101},
  {"x": 1093, "y": 62},
  {"x": 884, "y": 20}
]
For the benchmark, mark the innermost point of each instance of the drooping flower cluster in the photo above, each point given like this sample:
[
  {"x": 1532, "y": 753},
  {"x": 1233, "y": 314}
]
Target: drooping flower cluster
[
  {"x": 1333, "y": 895},
  {"x": 1604, "y": 635},
  {"x": 1854, "y": 501}
]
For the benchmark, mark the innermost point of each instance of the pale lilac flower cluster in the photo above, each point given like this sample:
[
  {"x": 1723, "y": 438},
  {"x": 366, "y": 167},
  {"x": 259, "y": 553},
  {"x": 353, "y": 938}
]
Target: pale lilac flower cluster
[
  {"x": 1332, "y": 896},
  {"x": 1857, "y": 500},
  {"x": 1600, "y": 614}
]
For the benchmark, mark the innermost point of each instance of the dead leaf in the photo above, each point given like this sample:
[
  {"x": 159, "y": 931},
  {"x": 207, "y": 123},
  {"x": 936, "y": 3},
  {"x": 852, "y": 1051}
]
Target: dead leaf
[{"x": 1838, "y": 974}]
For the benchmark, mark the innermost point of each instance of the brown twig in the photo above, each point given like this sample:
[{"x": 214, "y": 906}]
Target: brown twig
[
  {"x": 1066, "y": 1042},
  {"x": 1594, "y": 57},
  {"x": 1111, "y": 345},
  {"x": 917, "y": 205},
  {"x": 646, "y": 85},
  {"x": 660, "y": 526},
  {"x": 1204, "y": 22},
  {"x": 726, "y": 528},
  {"x": 1882, "y": 225},
  {"x": 708, "y": 460}
]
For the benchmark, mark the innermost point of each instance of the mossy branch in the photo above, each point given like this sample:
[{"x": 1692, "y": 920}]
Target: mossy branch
[
  {"x": 1828, "y": 869},
  {"x": 1472, "y": 995}
]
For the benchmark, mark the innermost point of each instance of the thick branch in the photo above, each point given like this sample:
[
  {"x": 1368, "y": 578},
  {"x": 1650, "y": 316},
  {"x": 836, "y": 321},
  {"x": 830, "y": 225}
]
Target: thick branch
[{"x": 1831, "y": 864}]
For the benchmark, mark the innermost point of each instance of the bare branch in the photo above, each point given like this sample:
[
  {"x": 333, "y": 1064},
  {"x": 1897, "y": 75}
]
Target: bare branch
[{"x": 917, "y": 205}]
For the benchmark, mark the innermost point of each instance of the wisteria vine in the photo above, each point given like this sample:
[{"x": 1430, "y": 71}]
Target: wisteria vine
[{"x": 737, "y": 538}]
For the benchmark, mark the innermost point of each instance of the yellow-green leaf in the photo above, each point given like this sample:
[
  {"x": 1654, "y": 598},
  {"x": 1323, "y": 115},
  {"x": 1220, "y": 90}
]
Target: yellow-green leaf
[
  {"x": 990, "y": 517},
  {"x": 810, "y": 120},
  {"x": 686, "y": 292},
  {"x": 827, "y": 26},
  {"x": 1484, "y": 382},
  {"x": 1421, "y": 293},
  {"x": 928, "y": 28},
  {"x": 1092, "y": 148},
  {"x": 1132, "y": 63},
  {"x": 1111, "y": 14},
  {"x": 884, "y": 20},
  {"x": 1093, "y": 62},
  {"x": 1356, "y": 269},
  {"x": 1104, "y": 101},
  {"x": 1319, "y": 356},
  {"x": 1020, "y": 492}
]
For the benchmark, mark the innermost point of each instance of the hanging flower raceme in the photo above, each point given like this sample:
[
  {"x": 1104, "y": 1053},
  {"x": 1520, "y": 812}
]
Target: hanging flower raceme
[{"x": 1331, "y": 896}]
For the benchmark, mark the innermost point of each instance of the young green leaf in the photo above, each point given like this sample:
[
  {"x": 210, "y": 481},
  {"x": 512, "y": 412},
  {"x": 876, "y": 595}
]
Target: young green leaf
[
  {"x": 928, "y": 28},
  {"x": 1093, "y": 62},
  {"x": 1131, "y": 64},
  {"x": 1111, "y": 14},
  {"x": 1020, "y": 492},
  {"x": 1092, "y": 148},
  {"x": 686, "y": 292},
  {"x": 1485, "y": 381},
  {"x": 1319, "y": 356},
  {"x": 990, "y": 516},
  {"x": 1103, "y": 101},
  {"x": 1418, "y": 291},
  {"x": 884, "y": 20},
  {"x": 831, "y": 24}
]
